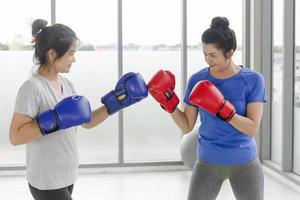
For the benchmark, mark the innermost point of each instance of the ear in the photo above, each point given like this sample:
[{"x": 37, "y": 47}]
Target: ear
[
  {"x": 229, "y": 54},
  {"x": 52, "y": 55}
]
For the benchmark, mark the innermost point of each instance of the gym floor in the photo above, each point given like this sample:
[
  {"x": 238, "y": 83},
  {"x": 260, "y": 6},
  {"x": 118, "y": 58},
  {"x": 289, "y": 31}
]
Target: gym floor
[{"x": 141, "y": 183}]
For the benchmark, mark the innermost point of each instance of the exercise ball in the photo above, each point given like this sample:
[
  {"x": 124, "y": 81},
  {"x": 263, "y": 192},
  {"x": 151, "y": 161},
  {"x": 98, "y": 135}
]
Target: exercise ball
[{"x": 188, "y": 148}]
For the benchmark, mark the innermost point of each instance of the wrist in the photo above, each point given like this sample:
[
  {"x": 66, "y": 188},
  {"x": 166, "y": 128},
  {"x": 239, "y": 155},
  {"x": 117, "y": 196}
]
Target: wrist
[
  {"x": 231, "y": 117},
  {"x": 171, "y": 104},
  {"x": 227, "y": 111},
  {"x": 47, "y": 123}
]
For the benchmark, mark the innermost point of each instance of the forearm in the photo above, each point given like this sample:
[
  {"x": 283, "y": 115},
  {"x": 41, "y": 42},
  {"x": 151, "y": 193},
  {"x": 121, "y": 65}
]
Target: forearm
[
  {"x": 244, "y": 125},
  {"x": 98, "y": 116},
  {"x": 182, "y": 121},
  {"x": 27, "y": 133}
]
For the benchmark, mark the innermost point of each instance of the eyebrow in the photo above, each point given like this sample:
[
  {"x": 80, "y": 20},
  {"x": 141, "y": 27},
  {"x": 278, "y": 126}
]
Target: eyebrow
[{"x": 210, "y": 53}]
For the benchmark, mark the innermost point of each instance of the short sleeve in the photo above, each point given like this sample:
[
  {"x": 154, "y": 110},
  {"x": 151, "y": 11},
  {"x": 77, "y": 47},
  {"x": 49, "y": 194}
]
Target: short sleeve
[
  {"x": 257, "y": 93},
  {"x": 27, "y": 101},
  {"x": 188, "y": 91}
]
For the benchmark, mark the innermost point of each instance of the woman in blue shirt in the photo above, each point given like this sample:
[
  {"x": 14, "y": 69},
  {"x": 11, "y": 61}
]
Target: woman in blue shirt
[{"x": 227, "y": 149}]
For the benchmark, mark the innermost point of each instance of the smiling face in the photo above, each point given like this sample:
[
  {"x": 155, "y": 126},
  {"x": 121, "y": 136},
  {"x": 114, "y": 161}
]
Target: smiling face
[
  {"x": 63, "y": 64},
  {"x": 215, "y": 58}
]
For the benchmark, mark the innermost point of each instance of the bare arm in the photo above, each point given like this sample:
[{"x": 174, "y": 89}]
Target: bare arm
[
  {"x": 98, "y": 116},
  {"x": 23, "y": 129},
  {"x": 249, "y": 124},
  {"x": 185, "y": 120}
]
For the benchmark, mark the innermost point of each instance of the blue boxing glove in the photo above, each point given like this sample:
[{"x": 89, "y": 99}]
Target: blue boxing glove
[
  {"x": 71, "y": 111},
  {"x": 130, "y": 89}
]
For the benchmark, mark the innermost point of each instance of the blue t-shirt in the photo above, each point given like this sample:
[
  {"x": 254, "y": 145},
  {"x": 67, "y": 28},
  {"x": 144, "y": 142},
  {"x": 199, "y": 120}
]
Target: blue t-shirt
[{"x": 219, "y": 141}]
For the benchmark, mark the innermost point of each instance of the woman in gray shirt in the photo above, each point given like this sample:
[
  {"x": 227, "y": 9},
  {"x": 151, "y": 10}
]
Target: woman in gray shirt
[{"x": 45, "y": 102}]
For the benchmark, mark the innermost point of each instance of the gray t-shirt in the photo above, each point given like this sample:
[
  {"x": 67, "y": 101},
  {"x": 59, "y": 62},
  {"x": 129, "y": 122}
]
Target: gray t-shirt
[{"x": 52, "y": 160}]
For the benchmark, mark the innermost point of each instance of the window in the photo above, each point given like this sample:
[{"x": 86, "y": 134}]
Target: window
[
  {"x": 151, "y": 42},
  {"x": 297, "y": 93},
  {"x": 198, "y": 20},
  {"x": 16, "y": 61},
  {"x": 95, "y": 71},
  {"x": 277, "y": 70}
]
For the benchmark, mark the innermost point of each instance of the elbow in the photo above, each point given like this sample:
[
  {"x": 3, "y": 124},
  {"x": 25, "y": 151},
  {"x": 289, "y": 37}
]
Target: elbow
[
  {"x": 252, "y": 132},
  {"x": 186, "y": 130},
  {"x": 86, "y": 126},
  {"x": 89, "y": 125},
  {"x": 255, "y": 130},
  {"x": 13, "y": 141}
]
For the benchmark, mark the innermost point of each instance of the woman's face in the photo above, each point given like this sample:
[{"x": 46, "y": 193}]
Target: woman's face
[
  {"x": 215, "y": 58},
  {"x": 64, "y": 63}
]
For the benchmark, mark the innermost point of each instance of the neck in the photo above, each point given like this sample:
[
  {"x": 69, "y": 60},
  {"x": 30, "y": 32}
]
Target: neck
[
  {"x": 229, "y": 70},
  {"x": 48, "y": 72}
]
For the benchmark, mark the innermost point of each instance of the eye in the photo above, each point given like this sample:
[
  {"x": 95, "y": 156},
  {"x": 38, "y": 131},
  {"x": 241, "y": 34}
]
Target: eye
[{"x": 72, "y": 53}]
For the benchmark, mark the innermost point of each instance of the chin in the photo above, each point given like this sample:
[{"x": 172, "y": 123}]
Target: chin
[
  {"x": 214, "y": 68},
  {"x": 217, "y": 69},
  {"x": 65, "y": 71}
]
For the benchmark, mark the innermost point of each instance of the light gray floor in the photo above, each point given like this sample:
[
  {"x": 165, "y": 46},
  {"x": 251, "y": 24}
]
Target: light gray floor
[{"x": 136, "y": 185}]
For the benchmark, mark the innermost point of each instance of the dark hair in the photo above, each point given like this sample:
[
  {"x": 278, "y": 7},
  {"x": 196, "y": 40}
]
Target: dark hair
[
  {"x": 220, "y": 34},
  {"x": 58, "y": 37}
]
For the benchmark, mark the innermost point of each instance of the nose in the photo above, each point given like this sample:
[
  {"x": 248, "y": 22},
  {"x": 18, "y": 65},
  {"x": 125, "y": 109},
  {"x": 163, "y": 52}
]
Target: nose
[
  {"x": 206, "y": 58},
  {"x": 208, "y": 61}
]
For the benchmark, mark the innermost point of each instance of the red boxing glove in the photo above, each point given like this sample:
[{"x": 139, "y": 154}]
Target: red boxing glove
[
  {"x": 207, "y": 96},
  {"x": 161, "y": 87}
]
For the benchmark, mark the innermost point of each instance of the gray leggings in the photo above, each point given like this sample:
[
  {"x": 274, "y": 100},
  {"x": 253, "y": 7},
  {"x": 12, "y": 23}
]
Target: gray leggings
[{"x": 246, "y": 180}]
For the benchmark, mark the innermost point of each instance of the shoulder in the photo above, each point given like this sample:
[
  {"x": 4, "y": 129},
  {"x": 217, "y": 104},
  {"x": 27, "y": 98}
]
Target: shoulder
[
  {"x": 252, "y": 77},
  {"x": 250, "y": 73},
  {"x": 31, "y": 84},
  {"x": 198, "y": 76},
  {"x": 30, "y": 90}
]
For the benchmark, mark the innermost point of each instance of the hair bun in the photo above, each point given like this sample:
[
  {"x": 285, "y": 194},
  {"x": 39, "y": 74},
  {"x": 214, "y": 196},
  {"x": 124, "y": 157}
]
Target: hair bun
[
  {"x": 219, "y": 23},
  {"x": 37, "y": 25}
]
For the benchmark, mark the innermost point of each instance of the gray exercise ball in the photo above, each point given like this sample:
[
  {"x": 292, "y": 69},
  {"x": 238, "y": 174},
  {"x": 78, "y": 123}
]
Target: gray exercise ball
[{"x": 188, "y": 148}]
